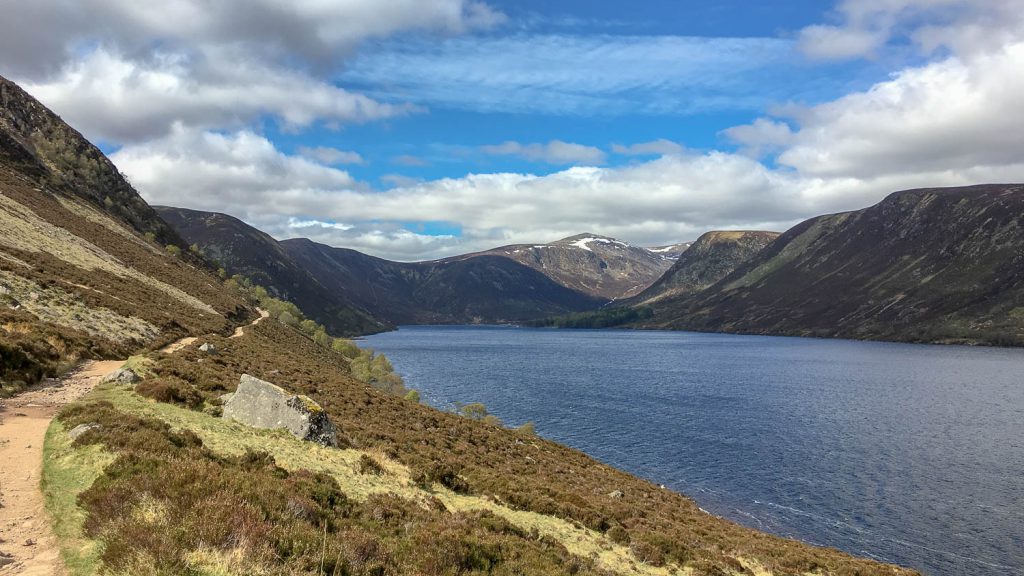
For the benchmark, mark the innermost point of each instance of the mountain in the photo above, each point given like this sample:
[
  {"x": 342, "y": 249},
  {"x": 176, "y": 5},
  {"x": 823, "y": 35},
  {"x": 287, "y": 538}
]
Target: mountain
[
  {"x": 596, "y": 265},
  {"x": 483, "y": 288},
  {"x": 87, "y": 268},
  {"x": 927, "y": 265},
  {"x": 712, "y": 257},
  {"x": 671, "y": 251},
  {"x": 341, "y": 287},
  {"x": 242, "y": 249}
]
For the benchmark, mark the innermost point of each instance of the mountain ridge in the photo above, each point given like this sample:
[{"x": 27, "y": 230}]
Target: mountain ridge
[{"x": 922, "y": 265}]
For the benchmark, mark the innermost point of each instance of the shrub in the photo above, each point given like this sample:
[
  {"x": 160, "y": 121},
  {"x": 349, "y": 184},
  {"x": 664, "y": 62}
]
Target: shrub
[
  {"x": 170, "y": 390},
  {"x": 529, "y": 429},
  {"x": 368, "y": 465},
  {"x": 172, "y": 250}
]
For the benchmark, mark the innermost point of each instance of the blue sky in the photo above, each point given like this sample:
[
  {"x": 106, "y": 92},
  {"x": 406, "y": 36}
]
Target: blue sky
[
  {"x": 415, "y": 129},
  {"x": 591, "y": 73}
]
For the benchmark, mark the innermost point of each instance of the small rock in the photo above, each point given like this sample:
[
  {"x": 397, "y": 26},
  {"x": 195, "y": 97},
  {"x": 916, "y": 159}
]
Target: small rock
[
  {"x": 616, "y": 494},
  {"x": 122, "y": 376},
  {"x": 208, "y": 348},
  {"x": 6, "y": 560},
  {"x": 30, "y": 542},
  {"x": 82, "y": 429}
]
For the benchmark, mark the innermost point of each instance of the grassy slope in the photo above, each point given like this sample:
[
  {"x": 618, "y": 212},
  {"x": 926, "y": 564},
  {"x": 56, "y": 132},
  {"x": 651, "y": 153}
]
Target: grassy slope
[{"x": 512, "y": 490}]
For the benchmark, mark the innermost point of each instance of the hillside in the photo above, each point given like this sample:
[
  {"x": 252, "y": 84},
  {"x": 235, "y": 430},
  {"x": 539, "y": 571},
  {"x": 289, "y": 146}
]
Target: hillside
[
  {"x": 706, "y": 261},
  {"x": 479, "y": 288},
  {"x": 242, "y": 249},
  {"x": 928, "y": 265},
  {"x": 87, "y": 268},
  {"x": 484, "y": 289},
  {"x": 596, "y": 265}
]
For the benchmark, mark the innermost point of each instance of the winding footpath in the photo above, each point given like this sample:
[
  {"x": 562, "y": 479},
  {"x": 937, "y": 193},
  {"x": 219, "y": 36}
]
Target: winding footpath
[{"x": 27, "y": 543}]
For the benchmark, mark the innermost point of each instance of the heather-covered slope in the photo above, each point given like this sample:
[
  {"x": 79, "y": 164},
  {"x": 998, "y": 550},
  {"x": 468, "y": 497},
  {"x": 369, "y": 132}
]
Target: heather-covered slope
[
  {"x": 712, "y": 257},
  {"x": 928, "y": 265},
  {"x": 242, "y": 249},
  {"x": 87, "y": 269}
]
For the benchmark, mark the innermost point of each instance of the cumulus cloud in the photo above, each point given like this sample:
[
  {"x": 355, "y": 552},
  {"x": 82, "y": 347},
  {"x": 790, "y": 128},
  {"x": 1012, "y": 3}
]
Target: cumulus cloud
[
  {"x": 554, "y": 152},
  {"x": 963, "y": 26},
  {"x": 116, "y": 99},
  {"x": 331, "y": 156},
  {"x": 955, "y": 114},
  {"x": 671, "y": 198},
  {"x": 124, "y": 71},
  {"x": 659, "y": 147}
]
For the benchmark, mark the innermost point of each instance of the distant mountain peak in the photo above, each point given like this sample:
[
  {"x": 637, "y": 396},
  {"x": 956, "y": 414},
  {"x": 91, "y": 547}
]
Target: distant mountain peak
[{"x": 585, "y": 241}]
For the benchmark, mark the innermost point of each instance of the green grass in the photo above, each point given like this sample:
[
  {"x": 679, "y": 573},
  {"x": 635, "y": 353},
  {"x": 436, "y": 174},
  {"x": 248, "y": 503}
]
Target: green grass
[{"x": 67, "y": 472}]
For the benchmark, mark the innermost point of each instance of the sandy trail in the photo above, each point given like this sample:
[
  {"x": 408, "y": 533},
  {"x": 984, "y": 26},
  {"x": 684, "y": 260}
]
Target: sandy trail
[
  {"x": 239, "y": 332},
  {"x": 27, "y": 543}
]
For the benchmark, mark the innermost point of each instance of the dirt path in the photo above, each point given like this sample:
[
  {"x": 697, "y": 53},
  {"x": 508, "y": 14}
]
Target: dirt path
[
  {"x": 239, "y": 332},
  {"x": 27, "y": 543}
]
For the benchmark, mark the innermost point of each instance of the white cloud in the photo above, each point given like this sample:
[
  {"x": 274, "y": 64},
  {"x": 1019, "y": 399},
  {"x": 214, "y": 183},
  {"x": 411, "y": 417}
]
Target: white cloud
[
  {"x": 956, "y": 114},
  {"x": 554, "y": 152},
  {"x": 963, "y": 26},
  {"x": 331, "y": 156},
  {"x": 124, "y": 71},
  {"x": 115, "y": 99},
  {"x": 659, "y": 147},
  {"x": 39, "y": 37}
]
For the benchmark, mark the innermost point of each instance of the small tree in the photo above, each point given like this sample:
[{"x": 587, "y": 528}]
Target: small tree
[
  {"x": 413, "y": 396},
  {"x": 172, "y": 250},
  {"x": 346, "y": 348},
  {"x": 473, "y": 411}
]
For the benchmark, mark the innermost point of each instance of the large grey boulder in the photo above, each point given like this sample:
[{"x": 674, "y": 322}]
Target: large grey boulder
[
  {"x": 122, "y": 376},
  {"x": 260, "y": 404}
]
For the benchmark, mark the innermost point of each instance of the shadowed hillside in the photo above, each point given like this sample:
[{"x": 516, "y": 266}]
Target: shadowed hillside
[
  {"x": 712, "y": 257},
  {"x": 322, "y": 280},
  {"x": 242, "y": 249},
  {"x": 928, "y": 265}
]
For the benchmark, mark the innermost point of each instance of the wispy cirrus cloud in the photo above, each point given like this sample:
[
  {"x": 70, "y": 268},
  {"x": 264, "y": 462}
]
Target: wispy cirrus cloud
[{"x": 578, "y": 74}]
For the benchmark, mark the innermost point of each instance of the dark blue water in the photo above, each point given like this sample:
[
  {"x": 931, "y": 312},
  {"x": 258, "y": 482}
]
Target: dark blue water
[{"x": 904, "y": 453}]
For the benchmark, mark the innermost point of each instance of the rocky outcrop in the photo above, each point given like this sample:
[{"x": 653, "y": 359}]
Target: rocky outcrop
[
  {"x": 82, "y": 429},
  {"x": 122, "y": 376},
  {"x": 260, "y": 404}
]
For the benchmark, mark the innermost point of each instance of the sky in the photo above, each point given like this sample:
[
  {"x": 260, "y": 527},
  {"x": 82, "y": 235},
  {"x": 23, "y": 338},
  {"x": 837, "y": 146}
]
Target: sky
[{"x": 417, "y": 129}]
